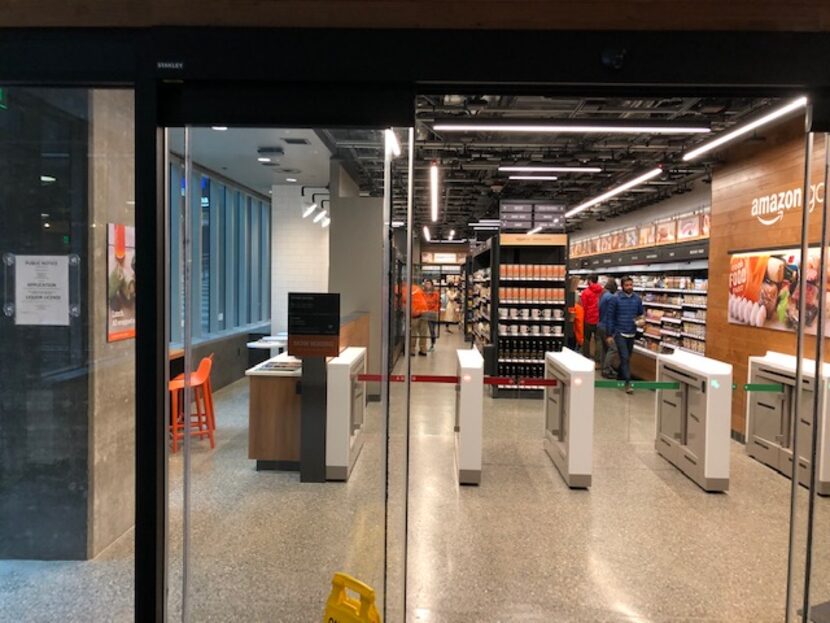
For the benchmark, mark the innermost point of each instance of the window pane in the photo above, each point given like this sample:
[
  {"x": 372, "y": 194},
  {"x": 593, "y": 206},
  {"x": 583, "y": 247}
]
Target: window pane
[{"x": 204, "y": 297}]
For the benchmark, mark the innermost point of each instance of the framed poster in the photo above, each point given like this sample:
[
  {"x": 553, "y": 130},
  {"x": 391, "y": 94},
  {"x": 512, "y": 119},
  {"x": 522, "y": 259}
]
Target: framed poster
[
  {"x": 631, "y": 240},
  {"x": 765, "y": 288},
  {"x": 120, "y": 282},
  {"x": 646, "y": 235},
  {"x": 705, "y": 224},
  {"x": 688, "y": 227},
  {"x": 666, "y": 232}
]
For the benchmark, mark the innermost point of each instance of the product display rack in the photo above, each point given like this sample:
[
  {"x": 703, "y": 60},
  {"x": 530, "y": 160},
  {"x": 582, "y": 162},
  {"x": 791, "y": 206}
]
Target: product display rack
[
  {"x": 528, "y": 309},
  {"x": 479, "y": 299},
  {"x": 674, "y": 300}
]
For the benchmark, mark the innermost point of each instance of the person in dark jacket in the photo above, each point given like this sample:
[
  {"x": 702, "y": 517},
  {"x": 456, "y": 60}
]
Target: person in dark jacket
[
  {"x": 624, "y": 315},
  {"x": 607, "y": 294},
  {"x": 590, "y": 303}
]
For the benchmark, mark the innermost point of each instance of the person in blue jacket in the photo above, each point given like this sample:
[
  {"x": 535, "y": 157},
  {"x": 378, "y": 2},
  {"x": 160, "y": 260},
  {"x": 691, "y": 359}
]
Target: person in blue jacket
[
  {"x": 624, "y": 315},
  {"x": 604, "y": 299}
]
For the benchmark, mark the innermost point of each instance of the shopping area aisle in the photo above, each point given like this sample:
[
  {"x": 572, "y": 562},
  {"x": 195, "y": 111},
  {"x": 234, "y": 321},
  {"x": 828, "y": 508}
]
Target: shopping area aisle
[{"x": 643, "y": 544}]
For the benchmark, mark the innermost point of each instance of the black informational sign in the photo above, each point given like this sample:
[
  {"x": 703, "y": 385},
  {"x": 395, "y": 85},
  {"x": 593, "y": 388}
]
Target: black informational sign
[{"x": 313, "y": 324}]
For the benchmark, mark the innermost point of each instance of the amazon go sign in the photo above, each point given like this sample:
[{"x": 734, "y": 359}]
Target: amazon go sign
[{"x": 770, "y": 209}]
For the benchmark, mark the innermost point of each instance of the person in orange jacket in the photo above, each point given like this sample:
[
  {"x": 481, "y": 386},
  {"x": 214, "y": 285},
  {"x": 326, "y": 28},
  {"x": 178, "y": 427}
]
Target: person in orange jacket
[
  {"x": 419, "y": 331},
  {"x": 433, "y": 299},
  {"x": 576, "y": 314}
]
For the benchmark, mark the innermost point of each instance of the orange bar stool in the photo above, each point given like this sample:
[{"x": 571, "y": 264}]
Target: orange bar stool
[{"x": 202, "y": 420}]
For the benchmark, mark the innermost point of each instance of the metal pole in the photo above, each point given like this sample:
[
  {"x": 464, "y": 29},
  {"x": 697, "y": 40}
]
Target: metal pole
[
  {"x": 187, "y": 338},
  {"x": 409, "y": 201},
  {"x": 818, "y": 394},
  {"x": 799, "y": 376}
]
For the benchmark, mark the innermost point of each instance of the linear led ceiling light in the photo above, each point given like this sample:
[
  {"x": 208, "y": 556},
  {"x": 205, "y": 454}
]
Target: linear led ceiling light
[
  {"x": 540, "y": 169},
  {"x": 320, "y": 216},
  {"x": 543, "y": 178},
  {"x": 309, "y": 210},
  {"x": 326, "y": 222},
  {"x": 426, "y": 234},
  {"x": 614, "y": 192},
  {"x": 392, "y": 143},
  {"x": 579, "y": 127},
  {"x": 745, "y": 129},
  {"x": 535, "y": 230},
  {"x": 433, "y": 190}
]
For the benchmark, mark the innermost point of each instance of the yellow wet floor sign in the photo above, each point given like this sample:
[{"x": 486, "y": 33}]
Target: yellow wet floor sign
[{"x": 341, "y": 608}]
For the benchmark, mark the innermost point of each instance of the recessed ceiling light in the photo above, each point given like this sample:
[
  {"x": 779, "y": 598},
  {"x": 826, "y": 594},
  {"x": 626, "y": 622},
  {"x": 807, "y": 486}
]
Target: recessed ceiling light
[
  {"x": 326, "y": 222},
  {"x": 581, "y": 127},
  {"x": 47, "y": 179},
  {"x": 307, "y": 212},
  {"x": 291, "y": 179},
  {"x": 544, "y": 178},
  {"x": 745, "y": 129},
  {"x": 614, "y": 191},
  {"x": 219, "y": 128},
  {"x": 320, "y": 216},
  {"x": 541, "y": 169},
  {"x": 263, "y": 159},
  {"x": 47, "y": 225}
]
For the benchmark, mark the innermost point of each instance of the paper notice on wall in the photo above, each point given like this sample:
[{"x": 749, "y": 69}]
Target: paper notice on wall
[{"x": 41, "y": 284}]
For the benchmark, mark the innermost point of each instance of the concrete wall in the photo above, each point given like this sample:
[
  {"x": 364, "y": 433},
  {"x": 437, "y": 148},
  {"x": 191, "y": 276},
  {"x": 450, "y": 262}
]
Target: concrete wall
[
  {"x": 112, "y": 380},
  {"x": 299, "y": 253}
]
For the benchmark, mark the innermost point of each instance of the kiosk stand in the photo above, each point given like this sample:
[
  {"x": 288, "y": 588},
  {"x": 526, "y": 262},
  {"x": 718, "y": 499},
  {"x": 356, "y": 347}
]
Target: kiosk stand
[
  {"x": 569, "y": 416},
  {"x": 770, "y": 417},
  {"x": 345, "y": 411},
  {"x": 693, "y": 422},
  {"x": 469, "y": 407}
]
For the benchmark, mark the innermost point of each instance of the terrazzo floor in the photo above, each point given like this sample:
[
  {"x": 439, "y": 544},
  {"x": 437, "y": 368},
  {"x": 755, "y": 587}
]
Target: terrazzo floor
[{"x": 643, "y": 544}]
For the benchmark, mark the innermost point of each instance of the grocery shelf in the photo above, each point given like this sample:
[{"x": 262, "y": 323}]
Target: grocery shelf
[
  {"x": 670, "y": 290},
  {"x": 530, "y": 335},
  {"x": 694, "y": 337},
  {"x": 532, "y": 361},
  {"x": 653, "y": 321},
  {"x": 672, "y": 320},
  {"x": 556, "y": 279},
  {"x": 669, "y": 332},
  {"x": 522, "y": 302},
  {"x": 531, "y": 319},
  {"x": 694, "y": 305},
  {"x": 695, "y": 320},
  {"x": 666, "y": 305}
]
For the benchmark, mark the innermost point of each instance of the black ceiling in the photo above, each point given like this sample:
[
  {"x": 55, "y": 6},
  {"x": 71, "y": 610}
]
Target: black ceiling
[{"x": 471, "y": 184}]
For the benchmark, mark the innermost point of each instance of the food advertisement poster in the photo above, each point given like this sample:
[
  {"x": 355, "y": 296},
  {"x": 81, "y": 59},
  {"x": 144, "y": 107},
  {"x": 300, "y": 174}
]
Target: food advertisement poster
[
  {"x": 765, "y": 289},
  {"x": 646, "y": 235},
  {"x": 666, "y": 232},
  {"x": 120, "y": 282},
  {"x": 688, "y": 227}
]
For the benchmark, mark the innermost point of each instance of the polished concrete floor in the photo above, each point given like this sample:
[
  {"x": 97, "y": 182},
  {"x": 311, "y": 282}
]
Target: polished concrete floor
[{"x": 643, "y": 544}]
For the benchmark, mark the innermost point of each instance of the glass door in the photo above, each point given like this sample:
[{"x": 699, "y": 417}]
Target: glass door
[{"x": 285, "y": 467}]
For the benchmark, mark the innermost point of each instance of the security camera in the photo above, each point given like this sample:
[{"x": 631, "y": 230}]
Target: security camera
[{"x": 613, "y": 58}]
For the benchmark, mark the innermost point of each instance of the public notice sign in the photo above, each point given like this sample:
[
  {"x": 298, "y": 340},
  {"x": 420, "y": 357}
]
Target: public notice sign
[
  {"x": 41, "y": 284},
  {"x": 313, "y": 324}
]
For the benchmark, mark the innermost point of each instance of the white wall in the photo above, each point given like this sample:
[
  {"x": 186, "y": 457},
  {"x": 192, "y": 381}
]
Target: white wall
[
  {"x": 299, "y": 253},
  {"x": 699, "y": 197}
]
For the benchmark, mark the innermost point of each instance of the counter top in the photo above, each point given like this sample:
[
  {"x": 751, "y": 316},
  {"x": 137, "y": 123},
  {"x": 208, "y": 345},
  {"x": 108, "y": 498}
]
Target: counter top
[
  {"x": 697, "y": 364},
  {"x": 787, "y": 363},
  {"x": 570, "y": 360},
  {"x": 470, "y": 358},
  {"x": 261, "y": 369}
]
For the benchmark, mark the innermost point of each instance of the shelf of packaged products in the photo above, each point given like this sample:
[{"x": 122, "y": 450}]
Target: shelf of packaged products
[
  {"x": 534, "y": 361},
  {"x": 670, "y": 290},
  {"x": 535, "y": 336},
  {"x": 535, "y": 279},
  {"x": 501, "y": 319},
  {"x": 653, "y": 337},
  {"x": 522, "y": 302},
  {"x": 694, "y": 305},
  {"x": 683, "y": 348},
  {"x": 483, "y": 316},
  {"x": 481, "y": 281},
  {"x": 695, "y": 337},
  {"x": 694, "y": 320},
  {"x": 670, "y": 332},
  {"x": 666, "y": 305},
  {"x": 482, "y": 337},
  {"x": 653, "y": 321},
  {"x": 671, "y": 320}
]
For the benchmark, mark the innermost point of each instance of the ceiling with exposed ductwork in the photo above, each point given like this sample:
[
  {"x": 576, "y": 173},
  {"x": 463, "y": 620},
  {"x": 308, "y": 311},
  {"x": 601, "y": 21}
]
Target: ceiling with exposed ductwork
[{"x": 472, "y": 184}]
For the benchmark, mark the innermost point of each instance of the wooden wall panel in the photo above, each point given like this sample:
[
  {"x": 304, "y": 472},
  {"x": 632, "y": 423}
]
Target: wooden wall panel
[
  {"x": 753, "y": 169},
  {"x": 758, "y": 15}
]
